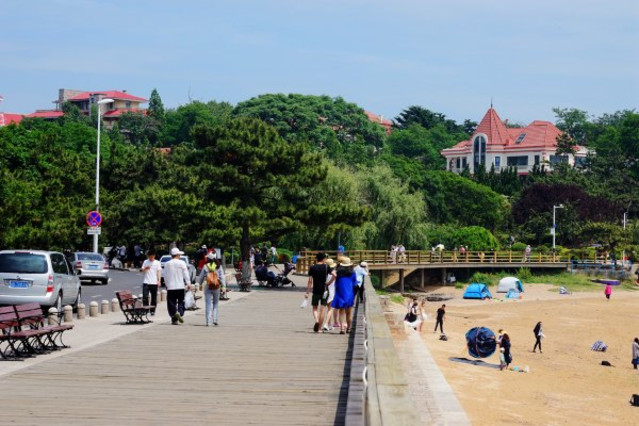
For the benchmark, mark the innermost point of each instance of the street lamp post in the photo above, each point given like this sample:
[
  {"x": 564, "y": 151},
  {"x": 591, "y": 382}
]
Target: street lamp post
[
  {"x": 97, "y": 169},
  {"x": 554, "y": 223}
]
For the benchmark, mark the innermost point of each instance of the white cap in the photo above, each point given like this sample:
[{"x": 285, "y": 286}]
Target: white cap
[
  {"x": 363, "y": 264},
  {"x": 176, "y": 251},
  {"x": 211, "y": 256}
]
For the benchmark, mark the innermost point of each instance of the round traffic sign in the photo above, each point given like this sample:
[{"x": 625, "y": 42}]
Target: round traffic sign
[{"x": 94, "y": 219}]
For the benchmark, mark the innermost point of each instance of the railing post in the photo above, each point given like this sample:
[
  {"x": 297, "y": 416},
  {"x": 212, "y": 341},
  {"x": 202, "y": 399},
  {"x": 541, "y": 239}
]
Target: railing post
[{"x": 419, "y": 257}]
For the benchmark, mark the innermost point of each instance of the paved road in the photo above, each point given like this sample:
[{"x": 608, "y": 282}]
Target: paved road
[{"x": 118, "y": 280}]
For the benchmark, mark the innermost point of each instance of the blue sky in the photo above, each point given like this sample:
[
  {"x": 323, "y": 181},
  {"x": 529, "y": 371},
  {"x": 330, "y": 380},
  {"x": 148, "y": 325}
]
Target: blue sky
[{"x": 450, "y": 56}]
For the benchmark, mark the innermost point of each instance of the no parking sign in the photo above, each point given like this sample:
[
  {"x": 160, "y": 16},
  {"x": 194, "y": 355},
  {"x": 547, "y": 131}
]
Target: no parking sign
[{"x": 94, "y": 219}]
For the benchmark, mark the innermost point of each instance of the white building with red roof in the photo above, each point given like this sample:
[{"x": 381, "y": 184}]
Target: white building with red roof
[
  {"x": 111, "y": 112},
  {"x": 495, "y": 144},
  {"x": 7, "y": 118}
]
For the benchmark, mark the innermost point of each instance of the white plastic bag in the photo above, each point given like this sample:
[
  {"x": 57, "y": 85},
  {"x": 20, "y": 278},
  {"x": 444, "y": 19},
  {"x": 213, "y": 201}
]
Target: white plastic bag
[
  {"x": 304, "y": 303},
  {"x": 189, "y": 300}
]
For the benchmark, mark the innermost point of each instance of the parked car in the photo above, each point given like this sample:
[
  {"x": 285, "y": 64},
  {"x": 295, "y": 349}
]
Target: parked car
[
  {"x": 189, "y": 265},
  {"x": 90, "y": 266},
  {"x": 44, "y": 277}
]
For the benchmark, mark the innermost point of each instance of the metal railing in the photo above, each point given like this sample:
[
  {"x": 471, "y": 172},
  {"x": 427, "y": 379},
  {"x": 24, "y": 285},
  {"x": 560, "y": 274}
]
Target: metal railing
[{"x": 421, "y": 257}]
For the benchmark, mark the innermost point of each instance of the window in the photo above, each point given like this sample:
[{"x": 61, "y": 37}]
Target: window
[
  {"x": 520, "y": 138},
  {"x": 59, "y": 264},
  {"x": 521, "y": 160},
  {"x": 556, "y": 159},
  {"x": 497, "y": 162},
  {"x": 464, "y": 163},
  {"x": 580, "y": 161},
  {"x": 479, "y": 151},
  {"x": 128, "y": 104},
  {"x": 536, "y": 160},
  {"x": 23, "y": 263},
  {"x": 458, "y": 162}
]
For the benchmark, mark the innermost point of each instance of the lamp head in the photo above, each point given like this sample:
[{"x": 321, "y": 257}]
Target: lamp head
[{"x": 105, "y": 101}]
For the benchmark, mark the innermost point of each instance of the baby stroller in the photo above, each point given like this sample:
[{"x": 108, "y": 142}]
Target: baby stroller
[{"x": 282, "y": 278}]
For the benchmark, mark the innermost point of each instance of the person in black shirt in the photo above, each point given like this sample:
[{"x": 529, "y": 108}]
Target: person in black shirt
[
  {"x": 441, "y": 312},
  {"x": 317, "y": 284}
]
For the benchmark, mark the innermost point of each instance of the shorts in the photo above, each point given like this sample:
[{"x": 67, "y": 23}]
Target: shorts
[{"x": 317, "y": 299}]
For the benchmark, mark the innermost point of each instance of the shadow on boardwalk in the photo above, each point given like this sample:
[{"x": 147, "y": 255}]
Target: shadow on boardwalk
[{"x": 261, "y": 365}]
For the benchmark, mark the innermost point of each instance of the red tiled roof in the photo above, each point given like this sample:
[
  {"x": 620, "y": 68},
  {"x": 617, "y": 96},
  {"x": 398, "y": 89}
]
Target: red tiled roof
[
  {"x": 375, "y": 118},
  {"x": 118, "y": 112},
  {"x": 46, "y": 114},
  {"x": 7, "y": 118},
  {"x": 538, "y": 134},
  {"x": 113, "y": 94}
]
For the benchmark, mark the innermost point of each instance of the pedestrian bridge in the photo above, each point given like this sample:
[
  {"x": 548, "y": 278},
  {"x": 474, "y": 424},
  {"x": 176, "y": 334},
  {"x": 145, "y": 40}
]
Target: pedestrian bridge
[{"x": 440, "y": 262}]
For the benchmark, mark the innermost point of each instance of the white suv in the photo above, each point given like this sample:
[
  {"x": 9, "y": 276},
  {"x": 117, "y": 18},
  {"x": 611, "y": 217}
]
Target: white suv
[{"x": 44, "y": 277}]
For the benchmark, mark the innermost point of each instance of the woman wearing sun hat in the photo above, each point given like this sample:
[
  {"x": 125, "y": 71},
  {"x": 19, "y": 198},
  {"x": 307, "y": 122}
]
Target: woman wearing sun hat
[
  {"x": 343, "y": 301},
  {"x": 330, "y": 286}
]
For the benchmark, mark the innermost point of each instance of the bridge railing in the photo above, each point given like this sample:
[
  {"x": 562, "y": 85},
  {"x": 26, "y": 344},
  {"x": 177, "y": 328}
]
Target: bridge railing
[{"x": 421, "y": 257}]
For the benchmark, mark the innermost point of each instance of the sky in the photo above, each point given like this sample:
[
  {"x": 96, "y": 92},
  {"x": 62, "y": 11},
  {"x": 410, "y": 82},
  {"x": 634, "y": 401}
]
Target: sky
[{"x": 450, "y": 56}]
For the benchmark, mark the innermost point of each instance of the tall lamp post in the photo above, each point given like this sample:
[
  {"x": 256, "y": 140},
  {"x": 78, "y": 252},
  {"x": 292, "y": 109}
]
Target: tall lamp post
[
  {"x": 554, "y": 223},
  {"x": 97, "y": 168}
]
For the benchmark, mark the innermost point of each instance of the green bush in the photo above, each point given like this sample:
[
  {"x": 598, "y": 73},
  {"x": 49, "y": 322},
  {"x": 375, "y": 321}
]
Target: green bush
[
  {"x": 519, "y": 246},
  {"x": 459, "y": 285},
  {"x": 524, "y": 274},
  {"x": 480, "y": 277},
  {"x": 375, "y": 280}
]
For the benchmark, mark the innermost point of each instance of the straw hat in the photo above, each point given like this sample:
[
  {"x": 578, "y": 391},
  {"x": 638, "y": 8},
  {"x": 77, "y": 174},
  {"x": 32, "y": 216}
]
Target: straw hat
[
  {"x": 345, "y": 261},
  {"x": 331, "y": 263}
]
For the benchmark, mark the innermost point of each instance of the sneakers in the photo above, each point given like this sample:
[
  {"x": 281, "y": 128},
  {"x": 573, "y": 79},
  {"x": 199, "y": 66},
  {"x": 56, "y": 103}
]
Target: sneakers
[
  {"x": 326, "y": 328},
  {"x": 178, "y": 317},
  {"x": 215, "y": 323},
  {"x": 316, "y": 327}
]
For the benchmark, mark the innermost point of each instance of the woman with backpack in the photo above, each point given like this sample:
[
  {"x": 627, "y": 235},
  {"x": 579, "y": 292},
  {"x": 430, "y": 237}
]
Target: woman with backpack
[{"x": 212, "y": 276}]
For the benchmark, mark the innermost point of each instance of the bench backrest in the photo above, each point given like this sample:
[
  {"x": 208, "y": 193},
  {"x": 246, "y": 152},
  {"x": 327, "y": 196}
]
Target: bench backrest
[
  {"x": 30, "y": 314},
  {"x": 8, "y": 319},
  {"x": 126, "y": 299}
]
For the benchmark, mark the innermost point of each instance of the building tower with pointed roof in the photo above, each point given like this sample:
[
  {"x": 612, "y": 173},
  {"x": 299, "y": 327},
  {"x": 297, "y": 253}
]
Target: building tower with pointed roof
[{"x": 493, "y": 144}]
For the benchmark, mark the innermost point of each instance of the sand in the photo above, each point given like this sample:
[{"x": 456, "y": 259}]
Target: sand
[{"x": 567, "y": 383}]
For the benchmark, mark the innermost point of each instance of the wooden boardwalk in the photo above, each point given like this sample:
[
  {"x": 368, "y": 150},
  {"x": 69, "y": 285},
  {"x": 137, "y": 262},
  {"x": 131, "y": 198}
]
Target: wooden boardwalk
[{"x": 262, "y": 365}]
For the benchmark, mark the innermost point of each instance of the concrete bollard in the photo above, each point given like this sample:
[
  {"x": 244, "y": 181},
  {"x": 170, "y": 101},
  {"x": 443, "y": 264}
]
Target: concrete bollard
[
  {"x": 82, "y": 311},
  {"x": 68, "y": 313},
  {"x": 93, "y": 309},
  {"x": 115, "y": 306},
  {"x": 104, "y": 307},
  {"x": 163, "y": 296},
  {"x": 53, "y": 316}
]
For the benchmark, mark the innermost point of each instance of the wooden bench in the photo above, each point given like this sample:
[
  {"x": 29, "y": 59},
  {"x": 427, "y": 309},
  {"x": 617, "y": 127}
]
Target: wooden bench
[
  {"x": 15, "y": 342},
  {"x": 132, "y": 308},
  {"x": 31, "y": 317}
]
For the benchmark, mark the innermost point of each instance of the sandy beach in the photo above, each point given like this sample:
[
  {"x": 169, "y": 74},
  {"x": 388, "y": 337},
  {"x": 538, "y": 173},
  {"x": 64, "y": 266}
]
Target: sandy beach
[{"x": 567, "y": 383}]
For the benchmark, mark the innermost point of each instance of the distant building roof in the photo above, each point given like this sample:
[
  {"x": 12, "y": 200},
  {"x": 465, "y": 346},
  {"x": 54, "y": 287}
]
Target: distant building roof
[
  {"x": 118, "y": 112},
  {"x": 113, "y": 94},
  {"x": 375, "y": 118},
  {"x": 7, "y": 118},
  {"x": 46, "y": 114}
]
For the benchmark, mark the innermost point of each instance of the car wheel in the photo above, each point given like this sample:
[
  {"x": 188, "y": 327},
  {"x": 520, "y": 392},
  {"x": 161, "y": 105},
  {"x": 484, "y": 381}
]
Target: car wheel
[
  {"x": 58, "y": 303},
  {"x": 105, "y": 282},
  {"x": 78, "y": 300}
]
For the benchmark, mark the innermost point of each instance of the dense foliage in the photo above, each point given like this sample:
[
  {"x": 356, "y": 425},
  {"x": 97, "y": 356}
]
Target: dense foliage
[{"x": 310, "y": 171}]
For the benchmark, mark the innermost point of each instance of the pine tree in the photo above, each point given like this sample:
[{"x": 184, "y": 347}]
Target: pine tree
[{"x": 156, "y": 108}]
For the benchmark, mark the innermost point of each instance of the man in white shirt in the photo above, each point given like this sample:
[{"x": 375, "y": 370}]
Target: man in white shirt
[
  {"x": 361, "y": 271},
  {"x": 152, "y": 270},
  {"x": 273, "y": 254},
  {"x": 176, "y": 279}
]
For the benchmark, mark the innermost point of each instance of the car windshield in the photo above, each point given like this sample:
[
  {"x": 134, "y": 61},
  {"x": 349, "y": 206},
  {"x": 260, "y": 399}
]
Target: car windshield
[
  {"x": 23, "y": 263},
  {"x": 89, "y": 256}
]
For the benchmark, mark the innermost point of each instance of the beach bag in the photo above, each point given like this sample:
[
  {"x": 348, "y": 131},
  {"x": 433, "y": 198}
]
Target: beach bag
[
  {"x": 410, "y": 317},
  {"x": 212, "y": 280},
  {"x": 634, "y": 400}
]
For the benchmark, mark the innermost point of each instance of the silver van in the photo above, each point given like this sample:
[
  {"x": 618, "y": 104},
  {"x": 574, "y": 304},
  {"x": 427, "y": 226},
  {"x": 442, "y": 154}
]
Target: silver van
[{"x": 45, "y": 277}]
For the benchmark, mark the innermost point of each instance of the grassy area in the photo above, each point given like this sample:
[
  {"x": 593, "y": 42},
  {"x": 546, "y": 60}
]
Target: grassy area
[{"x": 394, "y": 297}]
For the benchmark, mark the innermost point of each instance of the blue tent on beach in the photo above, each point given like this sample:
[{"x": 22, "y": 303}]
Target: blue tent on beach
[
  {"x": 477, "y": 291},
  {"x": 513, "y": 294},
  {"x": 481, "y": 342}
]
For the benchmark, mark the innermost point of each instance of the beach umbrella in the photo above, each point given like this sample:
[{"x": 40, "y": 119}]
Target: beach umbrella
[{"x": 481, "y": 342}]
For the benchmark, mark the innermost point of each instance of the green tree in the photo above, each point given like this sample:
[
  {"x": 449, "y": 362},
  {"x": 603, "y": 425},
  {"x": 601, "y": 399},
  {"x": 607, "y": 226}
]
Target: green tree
[
  {"x": 156, "y": 107},
  {"x": 180, "y": 122},
  {"x": 247, "y": 166}
]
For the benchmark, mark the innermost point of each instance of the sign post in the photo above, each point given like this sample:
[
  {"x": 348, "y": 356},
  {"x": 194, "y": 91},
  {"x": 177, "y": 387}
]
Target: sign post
[{"x": 94, "y": 220}]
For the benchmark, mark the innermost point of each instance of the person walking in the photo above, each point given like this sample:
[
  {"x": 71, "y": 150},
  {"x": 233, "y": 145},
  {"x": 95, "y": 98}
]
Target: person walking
[
  {"x": 176, "y": 279},
  {"x": 317, "y": 275},
  {"x": 635, "y": 353},
  {"x": 505, "y": 345},
  {"x": 608, "y": 291},
  {"x": 273, "y": 250},
  {"x": 527, "y": 253},
  {"x": 330, "y": 285},
  {"x": 361, "y": 271},
  {"x": 152, "y": 270},
  {"x": 441, "y": 313},
  {"x": 343, "y": 301},
  {"x": 539, "y": 334},
  {"x": 212, "y": 286}
]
